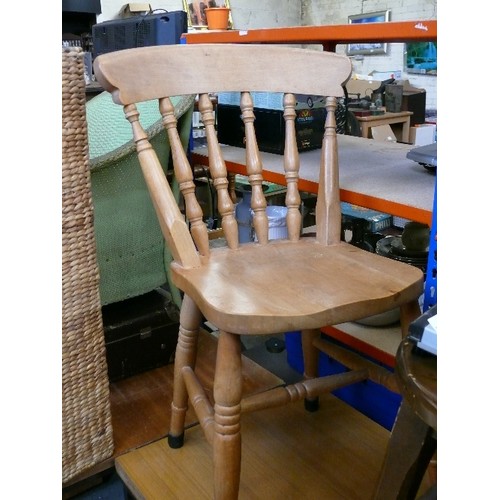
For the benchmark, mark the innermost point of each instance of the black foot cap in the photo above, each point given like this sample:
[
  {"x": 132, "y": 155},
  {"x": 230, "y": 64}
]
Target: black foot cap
[
  {"x": 275, "y": 345},
  {"x": 311, "y": 404},
  {"x": 176, "y": 441}
]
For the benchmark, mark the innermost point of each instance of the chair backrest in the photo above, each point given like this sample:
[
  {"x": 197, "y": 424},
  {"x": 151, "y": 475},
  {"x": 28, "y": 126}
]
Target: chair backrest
[{"x": 159, "y": 72}]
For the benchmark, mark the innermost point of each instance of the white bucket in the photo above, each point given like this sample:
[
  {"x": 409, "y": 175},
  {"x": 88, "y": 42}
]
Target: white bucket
[{"x": 277, "y": 222}]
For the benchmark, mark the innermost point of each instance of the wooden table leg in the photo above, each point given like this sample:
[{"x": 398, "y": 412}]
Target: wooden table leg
[
  {"x": 365, "y": 129},
  {"x": 405, "y": 133},
  {"x": 411, "y": 447}
]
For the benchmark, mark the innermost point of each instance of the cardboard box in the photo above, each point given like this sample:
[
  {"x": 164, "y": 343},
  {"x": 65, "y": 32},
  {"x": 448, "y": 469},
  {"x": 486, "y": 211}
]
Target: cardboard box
[
  {"x": 423, "y": 134},
  {"x": 377, "y": 220},
  {"x": 362, "y": 87},
  {"x": 135, "y": 9},
  {"x": 383, "y": 133},
  {"x": 386, "y": 75}
]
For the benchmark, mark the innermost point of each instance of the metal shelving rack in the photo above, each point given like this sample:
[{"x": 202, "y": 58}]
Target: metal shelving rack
[{"x": 329, "y": 36}]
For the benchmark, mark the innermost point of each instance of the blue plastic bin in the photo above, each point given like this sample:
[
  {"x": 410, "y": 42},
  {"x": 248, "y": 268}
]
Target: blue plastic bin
[{"x": 373, "y": 400}]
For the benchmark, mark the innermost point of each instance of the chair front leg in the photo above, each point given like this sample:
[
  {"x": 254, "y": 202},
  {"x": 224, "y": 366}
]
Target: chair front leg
[
  {"x": 227, "y": 406},
  {"x": 185, "y": 355}
]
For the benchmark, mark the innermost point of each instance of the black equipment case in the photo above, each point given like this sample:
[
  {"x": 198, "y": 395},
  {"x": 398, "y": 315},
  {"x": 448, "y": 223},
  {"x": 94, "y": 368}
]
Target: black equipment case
[
  {"x": 140, "y": 334},
  {"x": 138, "y": 31},
  {"x": 270, "y": 128}
]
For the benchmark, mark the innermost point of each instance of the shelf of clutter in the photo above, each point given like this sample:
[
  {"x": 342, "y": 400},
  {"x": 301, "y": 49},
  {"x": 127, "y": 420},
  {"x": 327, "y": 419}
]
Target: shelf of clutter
[{"x": 374, "y": 175}]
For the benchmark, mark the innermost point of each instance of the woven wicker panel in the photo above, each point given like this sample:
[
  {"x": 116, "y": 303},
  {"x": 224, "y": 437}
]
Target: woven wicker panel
[{"x": 87, "y": 436}]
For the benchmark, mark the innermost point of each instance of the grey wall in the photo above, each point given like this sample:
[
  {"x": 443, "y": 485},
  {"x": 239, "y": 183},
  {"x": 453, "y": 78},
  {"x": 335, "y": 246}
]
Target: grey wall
[
  {"x": 248, "y": 14},
  {"x": 323, "y": 12}
]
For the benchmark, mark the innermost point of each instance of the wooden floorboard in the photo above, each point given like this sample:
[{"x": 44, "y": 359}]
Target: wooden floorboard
[
  {"x": 288, "y": 453},
  {"x": 140, "y": 405}
]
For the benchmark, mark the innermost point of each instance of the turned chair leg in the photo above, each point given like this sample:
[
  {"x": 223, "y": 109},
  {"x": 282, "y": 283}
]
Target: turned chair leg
[
  {"x": 409, "y": 312},
  {"x": 311, "y": 364},
  {"x": 185, "y": 355},
  {"x": 228, "y": 383}
]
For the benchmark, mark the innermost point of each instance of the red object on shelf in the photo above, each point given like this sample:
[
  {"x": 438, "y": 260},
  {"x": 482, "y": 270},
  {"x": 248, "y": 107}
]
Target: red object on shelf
[{"x": 360, "y": 112}]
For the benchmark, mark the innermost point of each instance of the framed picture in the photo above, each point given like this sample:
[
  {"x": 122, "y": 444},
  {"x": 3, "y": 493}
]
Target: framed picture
[
  {"x": 421, "y": 58},
  {"x": 196, "y": 12},
  {"x": 368, "y": 48}
]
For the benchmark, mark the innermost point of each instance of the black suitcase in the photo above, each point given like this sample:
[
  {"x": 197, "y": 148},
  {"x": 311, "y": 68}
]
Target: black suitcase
[{"x": 140, "y": 334}]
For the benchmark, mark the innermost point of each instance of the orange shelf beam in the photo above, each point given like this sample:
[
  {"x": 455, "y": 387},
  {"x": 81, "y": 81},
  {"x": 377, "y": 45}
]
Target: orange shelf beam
[
  {"x": 360, "y": 346},
  {"x": 329, "y": 36},
  {"x": 387, "y": 206}
]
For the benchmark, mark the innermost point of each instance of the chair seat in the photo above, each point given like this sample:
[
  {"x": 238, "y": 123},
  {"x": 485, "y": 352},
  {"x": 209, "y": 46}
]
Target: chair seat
[{"x": 252, "y": 291}]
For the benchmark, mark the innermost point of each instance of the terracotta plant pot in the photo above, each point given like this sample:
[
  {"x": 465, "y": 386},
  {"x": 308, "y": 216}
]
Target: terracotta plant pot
[{"x": 217, "y": 18}]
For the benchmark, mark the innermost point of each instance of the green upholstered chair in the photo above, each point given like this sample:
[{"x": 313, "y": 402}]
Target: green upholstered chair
[{"x": 131, "y": 252}]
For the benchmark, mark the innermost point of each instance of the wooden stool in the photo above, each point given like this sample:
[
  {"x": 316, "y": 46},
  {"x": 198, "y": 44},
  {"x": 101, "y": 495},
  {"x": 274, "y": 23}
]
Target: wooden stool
[{"x": 414, "y": 435}]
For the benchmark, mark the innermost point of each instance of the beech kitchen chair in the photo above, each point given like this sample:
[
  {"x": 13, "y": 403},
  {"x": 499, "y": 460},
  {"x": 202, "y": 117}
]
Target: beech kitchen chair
[{"x": 262, "y": 287}]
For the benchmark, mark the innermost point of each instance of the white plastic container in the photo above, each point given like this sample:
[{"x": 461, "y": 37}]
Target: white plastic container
[
  {"x": 277, "y": 222},
  {"x": 244, "y": 215}
]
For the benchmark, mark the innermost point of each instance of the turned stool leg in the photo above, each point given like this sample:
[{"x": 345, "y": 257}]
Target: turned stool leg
[
  {"x": 410, "y": 449},
  {"x": 185, "y": 355},
  {"x": 311, "y": 363},
  {"x": 227, "y": 437},
  {"x": 409, "y": 312}
]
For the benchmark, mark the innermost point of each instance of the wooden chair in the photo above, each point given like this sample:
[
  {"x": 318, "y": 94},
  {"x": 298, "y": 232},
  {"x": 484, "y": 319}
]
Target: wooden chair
[{"x": 262, "y": 287}]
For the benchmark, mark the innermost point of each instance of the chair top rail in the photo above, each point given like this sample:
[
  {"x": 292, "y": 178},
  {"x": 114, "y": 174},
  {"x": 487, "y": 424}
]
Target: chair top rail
[{"x": 145, "y": 73}]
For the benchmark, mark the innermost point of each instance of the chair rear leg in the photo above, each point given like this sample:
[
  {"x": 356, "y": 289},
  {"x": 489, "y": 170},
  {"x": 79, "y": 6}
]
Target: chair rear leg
[
  {"x": 185, "y": 355},
  {"x": 228, "y": 384},
  {"x": 311, "y": 363}
]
